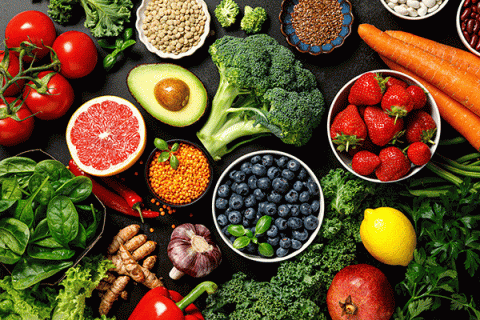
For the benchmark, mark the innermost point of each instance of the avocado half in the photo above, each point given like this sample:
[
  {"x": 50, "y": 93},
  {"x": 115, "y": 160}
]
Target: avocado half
[{"x": 169, "y": 92}]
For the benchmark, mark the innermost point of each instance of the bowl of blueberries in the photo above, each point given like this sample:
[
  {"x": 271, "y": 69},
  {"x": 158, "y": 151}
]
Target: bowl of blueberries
[{"x": 268, "y": 206}]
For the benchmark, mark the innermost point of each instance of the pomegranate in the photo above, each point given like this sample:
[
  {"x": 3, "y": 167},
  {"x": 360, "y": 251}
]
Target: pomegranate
[{"x": 360, "y": 292}]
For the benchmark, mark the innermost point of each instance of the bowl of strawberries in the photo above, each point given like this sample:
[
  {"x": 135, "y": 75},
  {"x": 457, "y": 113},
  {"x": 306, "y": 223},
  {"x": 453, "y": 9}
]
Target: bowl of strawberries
[{"x": 383, "y": 126}]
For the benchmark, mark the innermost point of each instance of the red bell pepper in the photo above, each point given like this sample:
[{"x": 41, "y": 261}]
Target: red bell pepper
[{"x": 162, "y": 304}]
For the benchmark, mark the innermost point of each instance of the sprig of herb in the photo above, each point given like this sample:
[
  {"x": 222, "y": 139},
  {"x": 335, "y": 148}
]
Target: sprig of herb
[
  {"x": 120, "y": 45},
  {"x": 167, "y": 153},
  {"x": 246, "y": 236}
]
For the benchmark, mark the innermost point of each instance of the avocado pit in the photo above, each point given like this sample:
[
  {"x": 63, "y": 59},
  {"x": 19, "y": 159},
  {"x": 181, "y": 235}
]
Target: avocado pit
[{"x": 172, "y": 93}]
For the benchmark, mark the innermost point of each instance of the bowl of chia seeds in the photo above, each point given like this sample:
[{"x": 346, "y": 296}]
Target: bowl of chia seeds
[
  {"x": 173, "y": 28},
  {"x": 316, "y": 27}
]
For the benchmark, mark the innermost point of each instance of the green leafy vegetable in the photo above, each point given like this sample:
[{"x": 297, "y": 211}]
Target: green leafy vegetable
[
  {"x": 14, "y": 236},
  {"x": 253, "y": 19},
  {"x": 226, "y": 12},
  {"x": 246, "y": 236}
]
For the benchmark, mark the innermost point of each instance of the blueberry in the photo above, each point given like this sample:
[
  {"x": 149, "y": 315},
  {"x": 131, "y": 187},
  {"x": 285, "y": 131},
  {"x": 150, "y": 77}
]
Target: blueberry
[
  {"x": 272, "y": 232},
  {"x": 315, "y": 205},
  {"x": 294, "y": 210},
  {"x": 296, "y": 244},
  {"x": 300, "y": 235},
  {"x": 233, "y": 186},
  {"x": 264, "y": 183},
  {"x": 221, "y": 203},
  {"x": 302, "y": 174},
  {"x": 239, "y": 176},
  {"x": 242, "y": 189},
  {"x": 252, "y": 182},
  {"x": 310, "y": 222},
  {"x": 223, "y": 191},
  {"x": 306, "y": 209},
  {"x": 250, "y": 201},
  {"x": 298, "y": 185},
  {"x": 312, "y": 187},
  {"x": 267, "y": 160},
  {"x": 235, "y": 217},
  {"x": 280, "y": 185},
  {"x": 250, "y": 248},
  {"x": 259, "y": 170},
  {"x": 273, "y": 172},
  {"x": 274, "y": 197},
  {"x": 281, "y": 162},
  {"x": 245, "y": 222},
  {"x": 288, "y": 174},
  {"x": 281, "y": 252},
  {"x": 283, "y": 210},
  {"x": 259, "y": 194},
  {"x": 225, "y": 232},
  {"x": 250, "y": 213},
  {"x": 285, "y": 243},
  {"x": 293, "y": 165},
  {"x": 281, "y": 223},
  {"x": 273, "y": 241},
  {"x": 256, "y": 159},
  {"x": 304, "y": 196},
  {"x": 270, "y": 209},
  {"x": 294, "y": 223},
  {"x": 291, "y": 196},
  {"x": 246, "y": 167},
  {"x": 222, "y": 220},
  {"x": 261, "y": 207},
  {"x": 231, "y": 174},
  {"x": 236, "y": 201}
]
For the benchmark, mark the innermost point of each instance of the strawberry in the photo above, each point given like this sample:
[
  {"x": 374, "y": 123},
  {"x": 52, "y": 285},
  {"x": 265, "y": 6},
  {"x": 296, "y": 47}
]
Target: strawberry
[
  {"x": 365, "y": 162},
  {"x": 382, "y": 128},
  {"x": 348, "y": 129},
  {"x": 397, "y": 102},
  {"x": 394, "y": 164},
  {"x": 392, "y": 81},
  {"x": 420, "y": 126},
  {"x": 418, "y": 95},
  {"x": 419, "y": 153},
  {"x": 368, "y": 89}
]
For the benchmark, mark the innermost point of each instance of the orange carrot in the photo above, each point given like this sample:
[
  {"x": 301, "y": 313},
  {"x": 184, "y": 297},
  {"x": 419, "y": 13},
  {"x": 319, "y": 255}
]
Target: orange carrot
[
  {"x": 460, "y": 118},
  {"x": 458, "y": 57},
  {"x": 456, "y": 83}
]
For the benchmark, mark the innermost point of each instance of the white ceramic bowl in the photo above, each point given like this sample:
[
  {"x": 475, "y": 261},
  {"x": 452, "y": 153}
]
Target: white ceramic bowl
[
  {"x": 408, "y": 17},
  {"x": 459, "y": 30},
  {"x": 341, "y": 101},
  {"x": 259, "y": 258},
  {"x": 141, "y": 35}
]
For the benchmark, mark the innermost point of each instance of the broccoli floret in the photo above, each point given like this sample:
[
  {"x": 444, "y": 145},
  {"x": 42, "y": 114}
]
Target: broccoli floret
[
  {"x": 253, "y": 19},
  {"x": 263, "y": 90},
  {"x": 226, "y": 12}
]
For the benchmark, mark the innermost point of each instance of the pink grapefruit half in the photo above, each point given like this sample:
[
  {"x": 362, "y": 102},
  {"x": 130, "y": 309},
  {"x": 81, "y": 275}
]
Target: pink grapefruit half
[{"x": 106, "y": 135}]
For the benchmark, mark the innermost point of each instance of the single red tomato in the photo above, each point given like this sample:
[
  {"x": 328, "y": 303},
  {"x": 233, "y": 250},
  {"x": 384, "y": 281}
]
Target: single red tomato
[
  {"x": 77, "y": 54},
  {"x": 52, "y": 99},
  {"x": 13, "y": 132},
  {"x": 12, "y": 67},
  {"x": 33, "y": 26}
]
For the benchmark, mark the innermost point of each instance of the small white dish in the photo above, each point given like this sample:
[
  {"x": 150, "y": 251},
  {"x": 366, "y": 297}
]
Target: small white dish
[
  {"x": 141, "y": 35},
  {"x": 408, "y": 17}
]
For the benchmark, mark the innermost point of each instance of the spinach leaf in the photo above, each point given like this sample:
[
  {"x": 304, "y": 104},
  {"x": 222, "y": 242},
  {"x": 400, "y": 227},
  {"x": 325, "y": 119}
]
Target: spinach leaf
[
  {"x": 40, "y": 184},
  {"x": 14, "y": 236},
  {"x": 81, "y": 240},
  {"x": 24, "y": 210},
  {"x": 91, "y": 225},
  {"x": 11, "y": 189},
  {"x": 14, "y": 165},
  {"x": 48, "y": 242},
  {"x": 41, "y": 231},
  {"x": 5, "y": 205},
  {"x": 77, "y": 189},
  {"x": 28, "y": 271},
  {"x": 57, "y": 172},
  {"x": 63, "y": 220},
  {"x": 46, "y": 253}
]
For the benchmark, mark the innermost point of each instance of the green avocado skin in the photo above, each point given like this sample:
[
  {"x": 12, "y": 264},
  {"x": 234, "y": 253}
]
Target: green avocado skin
[{"x": 141, "y": 82}]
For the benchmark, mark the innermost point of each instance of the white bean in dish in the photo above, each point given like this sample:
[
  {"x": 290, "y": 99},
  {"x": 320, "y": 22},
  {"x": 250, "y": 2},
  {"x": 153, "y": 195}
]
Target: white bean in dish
[{"x": 414, "y": 8}]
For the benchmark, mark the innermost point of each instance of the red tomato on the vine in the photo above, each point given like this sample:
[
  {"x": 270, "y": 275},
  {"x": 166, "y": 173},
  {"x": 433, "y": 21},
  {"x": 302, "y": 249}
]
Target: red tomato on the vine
[
  {"x": 33, "y": 26},
  {"x": 12, "y": 67},
  {"x": 52, "y": 99},
  {"x": 12, "y": 131},
  {"x": 77, "y": 54}
]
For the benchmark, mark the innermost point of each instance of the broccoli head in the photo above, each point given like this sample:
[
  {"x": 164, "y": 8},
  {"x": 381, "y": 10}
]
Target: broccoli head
[
  {"x": 253, "y": 19},
  {"x": 263, "y": 90},
  {"x": 226, "y": 12}
]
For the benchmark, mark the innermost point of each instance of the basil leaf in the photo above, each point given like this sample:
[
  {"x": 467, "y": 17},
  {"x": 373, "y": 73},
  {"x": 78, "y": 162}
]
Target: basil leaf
[
  {"x": 164, "y": 156},
  {"x": 241, "y": 242},
  {"x": 265, "y": 249},
  {"x": 28, "y": 272},
  {"x": 174, "y": 162},
  {"x": 160, "y": 144},
  {"x": 263, "y": 224},
  {"x": 236, "y": 230},
  {"x": 63, "y": 220},
  {"x": 77, "y": 189}
]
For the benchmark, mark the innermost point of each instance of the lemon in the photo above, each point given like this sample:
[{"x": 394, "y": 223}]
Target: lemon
[{"x": 388, "y": 235}]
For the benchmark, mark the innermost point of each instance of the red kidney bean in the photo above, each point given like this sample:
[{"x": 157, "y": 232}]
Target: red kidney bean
[{"x": 470, "y": 22}]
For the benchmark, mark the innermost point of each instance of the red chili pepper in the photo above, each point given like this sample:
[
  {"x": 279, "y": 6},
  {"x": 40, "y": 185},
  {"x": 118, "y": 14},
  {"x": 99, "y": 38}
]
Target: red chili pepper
[
  {"x": 160, "y": 304},
  {"x": 109, "y": 198},
  {"x": 132, "y": 198}
]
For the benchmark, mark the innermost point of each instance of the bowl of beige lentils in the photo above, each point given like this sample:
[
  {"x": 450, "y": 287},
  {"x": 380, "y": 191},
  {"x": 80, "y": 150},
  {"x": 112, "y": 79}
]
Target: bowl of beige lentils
[{"x": 173, "y": 28}]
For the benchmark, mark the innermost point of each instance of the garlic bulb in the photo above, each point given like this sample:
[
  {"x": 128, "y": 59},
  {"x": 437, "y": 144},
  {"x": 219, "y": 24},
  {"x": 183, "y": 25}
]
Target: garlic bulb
[{"x": 192, "y": 251}]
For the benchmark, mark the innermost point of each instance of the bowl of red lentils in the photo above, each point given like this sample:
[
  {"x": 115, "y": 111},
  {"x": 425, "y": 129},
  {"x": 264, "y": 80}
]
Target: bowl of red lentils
[
  {"x": 180, "y": 175},
  {"x": 173, "y": 28},
  {"x": 316, "y": 27}
]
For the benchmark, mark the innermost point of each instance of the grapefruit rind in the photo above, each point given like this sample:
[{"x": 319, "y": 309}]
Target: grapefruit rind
[{"x": 112, "y": 169}]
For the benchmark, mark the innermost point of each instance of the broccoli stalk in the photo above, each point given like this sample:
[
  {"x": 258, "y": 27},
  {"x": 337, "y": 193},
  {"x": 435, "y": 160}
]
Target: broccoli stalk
[
  {"x": 262, "y": 90},
  {"x": 226, "y": 12},
  {"x": 253, "y": 19}
]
